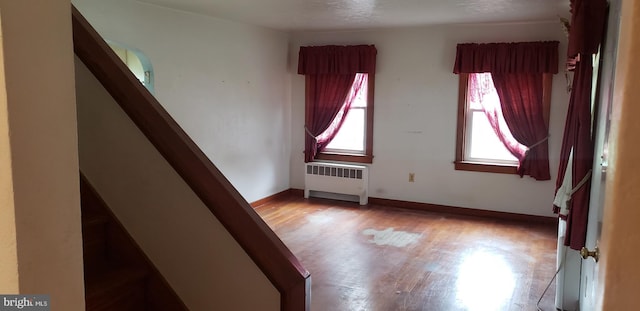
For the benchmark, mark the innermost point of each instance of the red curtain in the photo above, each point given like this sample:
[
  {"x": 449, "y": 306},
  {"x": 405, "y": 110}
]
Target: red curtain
[
  {"x": 326, "y": 94},
  {"x": 330, "y": 73},
  {"x": 587, "y": 28},
  {"x": 521, "y": 98},
  {"x": 517, "y": 70},
  {"x": 577, "y": 136},
  {"x": 332, "y": 130},
  {"x": 482, "y": 92}
]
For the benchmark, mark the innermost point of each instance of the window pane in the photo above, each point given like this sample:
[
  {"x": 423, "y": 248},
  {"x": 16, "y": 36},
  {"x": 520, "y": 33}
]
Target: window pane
[
  {"x": 351, "y": 134},
  {"x": 351, "y": 137},
  {"x": 484, "y": 144},
  {"x": 361, "y": 97},
  {"x": 480, "y": 89}
]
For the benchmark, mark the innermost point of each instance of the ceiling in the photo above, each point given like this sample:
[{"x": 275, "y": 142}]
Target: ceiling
[{"x": 295, "y": 15}]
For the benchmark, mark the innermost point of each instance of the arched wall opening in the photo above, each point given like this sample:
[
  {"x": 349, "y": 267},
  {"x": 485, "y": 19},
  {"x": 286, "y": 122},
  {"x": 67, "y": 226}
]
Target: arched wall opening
[{"x": 137, "y": 62}]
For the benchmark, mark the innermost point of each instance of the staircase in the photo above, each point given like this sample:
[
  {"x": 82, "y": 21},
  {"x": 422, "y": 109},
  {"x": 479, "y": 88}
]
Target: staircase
[{"x": 118, "y": 276}]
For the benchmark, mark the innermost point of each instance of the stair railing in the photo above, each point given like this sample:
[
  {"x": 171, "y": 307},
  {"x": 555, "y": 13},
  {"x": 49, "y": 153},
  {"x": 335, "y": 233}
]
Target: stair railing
[{"x": 264, "y": 247}]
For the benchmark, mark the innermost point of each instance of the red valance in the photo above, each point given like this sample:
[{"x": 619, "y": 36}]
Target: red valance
[
  {"x": 519, "y": 57},
  {"x": 336, "y": 59}
]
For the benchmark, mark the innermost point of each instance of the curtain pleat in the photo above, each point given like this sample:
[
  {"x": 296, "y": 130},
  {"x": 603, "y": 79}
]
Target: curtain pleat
[
  {"x": 326, "y": 94},
  {"x": 578, "y": 137},
  {"x": 521, "y": 101}
]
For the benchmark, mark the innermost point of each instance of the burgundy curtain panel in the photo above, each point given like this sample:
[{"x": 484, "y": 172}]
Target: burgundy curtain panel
[
  {"x": 577, "y": 136},
  {"x": 517, "y": 70},
  {"x": 521, "y": 95},
  {"x": 478, "y": 85},
  {"x": 327, "y": 94},
  {"x": 330, "y": 72},
  {"x": 332, "y": 130},
  {"x": 587, "y": 28}
]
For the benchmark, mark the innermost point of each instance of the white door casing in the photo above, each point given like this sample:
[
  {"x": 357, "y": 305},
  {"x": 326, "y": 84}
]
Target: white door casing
[{"x": 603, "y": 100}]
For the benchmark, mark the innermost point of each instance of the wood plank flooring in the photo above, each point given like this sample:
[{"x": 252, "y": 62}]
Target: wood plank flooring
[{"x": 380, "y": 258}]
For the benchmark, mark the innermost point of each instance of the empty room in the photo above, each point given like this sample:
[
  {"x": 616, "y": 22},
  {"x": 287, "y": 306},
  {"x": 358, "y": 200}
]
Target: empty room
[{"x": 333, "y": 154}]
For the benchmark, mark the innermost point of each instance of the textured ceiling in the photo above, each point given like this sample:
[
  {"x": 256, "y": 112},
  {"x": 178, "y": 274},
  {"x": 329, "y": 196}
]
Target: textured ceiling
[{"x": 358, "y": 14}]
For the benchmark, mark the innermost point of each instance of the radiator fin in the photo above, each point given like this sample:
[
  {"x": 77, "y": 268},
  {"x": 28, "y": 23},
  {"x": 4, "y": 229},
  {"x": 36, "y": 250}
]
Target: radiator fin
[
  {"x": 337, "y": 178},
  {"x": 323, "y": 170}
]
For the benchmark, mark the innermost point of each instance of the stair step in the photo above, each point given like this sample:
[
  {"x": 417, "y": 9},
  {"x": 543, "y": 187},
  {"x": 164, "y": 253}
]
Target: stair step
[
  {"x": 116, "y": 288},
  {"x": 118, "y": 276}
]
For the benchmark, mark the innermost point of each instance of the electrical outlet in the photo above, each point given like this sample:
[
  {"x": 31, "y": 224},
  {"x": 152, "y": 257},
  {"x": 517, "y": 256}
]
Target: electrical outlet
[{"x": 412, "y": 177}]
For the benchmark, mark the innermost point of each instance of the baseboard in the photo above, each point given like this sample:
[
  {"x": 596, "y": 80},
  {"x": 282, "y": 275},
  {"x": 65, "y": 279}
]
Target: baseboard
[
  {"x": 297, "y": 192},
  {"x": 437, "y": 208},
  {"x": 274, "y": 197},
  {"x": 428, "y": 207}
]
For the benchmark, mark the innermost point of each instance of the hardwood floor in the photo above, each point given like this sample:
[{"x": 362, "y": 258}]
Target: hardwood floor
[{"x": 381, "y": 258}]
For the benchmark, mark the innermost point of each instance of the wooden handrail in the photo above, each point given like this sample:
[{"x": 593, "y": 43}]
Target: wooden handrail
[{"x": 269, "y": 253}]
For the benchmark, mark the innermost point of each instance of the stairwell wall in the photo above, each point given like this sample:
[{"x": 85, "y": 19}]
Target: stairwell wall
[
  {"x": 189, "y": 246},
  {"x": 225, "y": 83},
  {"x": 40, "y": 226}
]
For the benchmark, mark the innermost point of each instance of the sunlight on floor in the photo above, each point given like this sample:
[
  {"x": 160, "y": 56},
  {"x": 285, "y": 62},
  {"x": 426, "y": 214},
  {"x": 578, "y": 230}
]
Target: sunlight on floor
[
  {"x": 380, "y": 258},
  {"x": 485, "y": 281}
]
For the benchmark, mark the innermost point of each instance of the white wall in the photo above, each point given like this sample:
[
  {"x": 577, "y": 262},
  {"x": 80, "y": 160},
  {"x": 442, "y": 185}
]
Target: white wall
[
  {"x": 416, "y": 99},
  {"x": 225, "y": 83},
  {"x": 189, "y": 246},
  {"x": 228, "y": 85},
  {"x": 40, "y": 226}
]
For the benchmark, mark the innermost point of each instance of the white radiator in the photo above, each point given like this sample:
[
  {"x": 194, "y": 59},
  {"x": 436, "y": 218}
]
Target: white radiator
[{"x": 337, "y": 178}]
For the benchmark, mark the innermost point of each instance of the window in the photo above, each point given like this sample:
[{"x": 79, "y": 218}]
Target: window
[
  {"x": 482, "y": 144},
  {"x": 479, "y": 147},
  {"x": 521, "y": 73},
  {"x": 353, "y": 141},
  {"x": 338, "y": 102}
]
